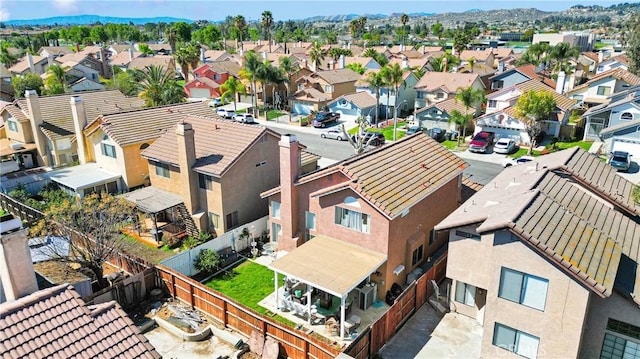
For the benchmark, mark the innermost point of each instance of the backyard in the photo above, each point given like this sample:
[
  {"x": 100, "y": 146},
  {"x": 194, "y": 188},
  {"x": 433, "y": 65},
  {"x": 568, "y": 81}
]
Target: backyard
[{"x": 144, "y": 251}]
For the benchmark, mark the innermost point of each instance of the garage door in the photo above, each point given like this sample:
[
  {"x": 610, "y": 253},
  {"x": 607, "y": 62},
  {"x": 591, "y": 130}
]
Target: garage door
[
  {"x": 302, "y": 108},
  {"x": 199, "y": 93},
  {"x": 632, "y": 147},
  {"x": 505, "y": 133}
]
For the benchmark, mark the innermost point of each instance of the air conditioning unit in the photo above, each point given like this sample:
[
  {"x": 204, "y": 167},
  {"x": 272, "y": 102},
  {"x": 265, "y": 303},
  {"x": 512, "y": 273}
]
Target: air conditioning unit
[{"x": 16, "y": 146}]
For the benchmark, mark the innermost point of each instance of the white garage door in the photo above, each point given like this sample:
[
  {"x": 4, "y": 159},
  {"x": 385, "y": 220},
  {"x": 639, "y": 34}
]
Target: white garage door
[
  {"x": 627, "y": 146},
  {"x": 199, "y": 93},
  {"x": 302, "y": 108},
  {"x": 504, "y": 133}
]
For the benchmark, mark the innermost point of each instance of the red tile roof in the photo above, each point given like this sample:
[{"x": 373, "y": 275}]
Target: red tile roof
[{"x": 56, "y": 323}]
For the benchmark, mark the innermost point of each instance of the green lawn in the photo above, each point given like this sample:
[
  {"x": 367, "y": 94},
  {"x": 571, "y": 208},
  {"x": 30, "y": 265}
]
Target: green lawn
[
  {"x": 559, "y": 145},
  {"x": 450, "y": 145},
  {"x": 2, "y": 212},
  {"x": 272, "y": 114},
  {"x": 387, "y": 131},
  {"x": 180, "y": 82},
  {"x": 141, "y": 250},
  {"x": 248, "y": 284},
  {"x": 518, "y": 43},
  {"x": 599, "y": 45}
]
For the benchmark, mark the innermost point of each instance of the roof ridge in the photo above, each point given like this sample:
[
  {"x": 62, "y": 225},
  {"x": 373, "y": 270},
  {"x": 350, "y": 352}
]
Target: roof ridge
[{"x": 20, "y": 303}]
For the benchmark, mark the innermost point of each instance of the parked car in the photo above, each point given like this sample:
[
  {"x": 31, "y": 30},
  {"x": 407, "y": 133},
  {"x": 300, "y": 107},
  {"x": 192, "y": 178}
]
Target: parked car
[
  {"x": 505, "y": 145},
  {"x": 371, "y": 138},
  {"x": 620, "y": 160},
  {"x": 215, "y": 102},
  {"x": 225, "y": 113},
  {"x": 334, "y": 133},
  {"x": 321, "y": 119},
  {"x": 481, "y": 142},
  {"x": 244, "y": 118},
  {"x": 508, "y": 161},
  {"x": 437, "y": 134},
  {"x": 414, "y": 129}
]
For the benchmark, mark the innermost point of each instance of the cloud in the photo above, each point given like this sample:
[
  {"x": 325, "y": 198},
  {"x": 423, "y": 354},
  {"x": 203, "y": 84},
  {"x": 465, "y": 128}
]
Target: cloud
[
  {"x": 65, "y": 5},
  {"x": 4, "y": 14}
]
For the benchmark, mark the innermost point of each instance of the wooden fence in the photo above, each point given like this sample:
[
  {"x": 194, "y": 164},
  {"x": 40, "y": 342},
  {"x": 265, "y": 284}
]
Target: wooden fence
[
  {"x": 19, "y": 209},
  {"x": 412, "y": 298},
  {"x": 294, "y": 344}
]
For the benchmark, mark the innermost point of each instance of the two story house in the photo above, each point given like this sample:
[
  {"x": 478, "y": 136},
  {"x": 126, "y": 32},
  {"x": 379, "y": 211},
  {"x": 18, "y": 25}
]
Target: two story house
[
  {"x": 30, "y": 64},
  {"x": 438, "y": 115},
  {"x": 209, "y": 77},
  {"x": 515, "y": 76},
  {"x": 438, "y": 86},
  {"x": 218, "y": 168},
  {"x": 617, "y": 62},
  {"x": 315, "y": 90},
  {"x": 501, "y": 116},
  {"x": 597, "y": 90},
  {"x": 616, "y": 123},
  {"x": 555, "y": 247},
  {"x": 405, "y": 98},
  {"x": 369, "y": 217},
  {"x": 478, "y": 56}
]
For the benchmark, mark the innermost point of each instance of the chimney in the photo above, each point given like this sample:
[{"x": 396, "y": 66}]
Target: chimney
[
  {"x": 186, "y": 160},
  {"x": 289, "y": 168},
  {"x": 600, "y": 56},
  {"x": 105, "y": 64},
  {"x": 332, "y": 65},
  {"x": 79, "y": 121},
  {"x": 349, "y": 45},
  {"x": 130, "y": 54},
  {"x": 17, "y": 276},
  {"x": 299, "y": 43},
  {"x": 264, "y": 55},
  {"x": 500, "y": 66},
  {"x": 32, "y": 66},
  {"x": 572, "y": 81},
  {"x": 35, "y": 117},
  {"x": 560, "y": 82},
  {"x": 405, "y": 62},
  {"x": 77, "y": 47},
  {"x": 49, "y": 60},
  {"x": 424, "y": 49},
  {"x": 304, "y": 63},
  {"x": 202, "y": 55},
  {"x": 342, "y": 62}
]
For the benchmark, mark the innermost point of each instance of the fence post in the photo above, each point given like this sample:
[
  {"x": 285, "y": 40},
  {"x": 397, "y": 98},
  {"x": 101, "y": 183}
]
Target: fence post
[
  {"x": 191, "y": 296},
  {"x": 224, "y": 313},
  {"x": 173, "y": 285}
]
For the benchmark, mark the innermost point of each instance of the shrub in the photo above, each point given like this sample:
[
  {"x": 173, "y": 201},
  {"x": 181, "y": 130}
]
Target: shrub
[
  {"x": 192, "y": 242},
  {"x": 170, "y": 240},
  {"x": 207, "y": 261}
]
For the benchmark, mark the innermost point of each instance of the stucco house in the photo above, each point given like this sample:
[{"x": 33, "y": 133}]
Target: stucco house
[
  {"x": 597, "y": 90},
  {"x": 438, "y": 115},
  {"x": 358, "y": 104},
  {"x": 515, "y": 76},
  {"x": 555, "y": 253},
  {"x": 209, "y": 77},
  {"x": 438, "y": 86},
  {"x": 616, "y": 123},
  {"x": 617, "y": 62},
  {"x": 218, "y": 168},
  {"x": 406, "y": 93},
  {"x": 382, "y": 203},
  {"x": 30, "y": 64},
  {"x": 479, "y": 56},
  {"x": 501, "y": 116},
  {"x": 315, "y": 90}
]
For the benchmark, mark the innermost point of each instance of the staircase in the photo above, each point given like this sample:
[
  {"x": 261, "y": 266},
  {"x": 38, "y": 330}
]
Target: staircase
[{"x": 191, "y": 228}]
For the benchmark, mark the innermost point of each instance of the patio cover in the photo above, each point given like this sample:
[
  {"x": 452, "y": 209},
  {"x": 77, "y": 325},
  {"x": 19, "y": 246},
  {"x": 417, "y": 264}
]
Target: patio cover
[
  {"x": 82, "y": 176},
  {"x": 331, "y": 265},
  {"x": 152, "y": 199}
]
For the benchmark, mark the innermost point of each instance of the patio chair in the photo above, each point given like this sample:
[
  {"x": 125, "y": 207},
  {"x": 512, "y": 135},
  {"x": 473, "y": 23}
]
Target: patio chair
[{"x": 331, "y": 326}]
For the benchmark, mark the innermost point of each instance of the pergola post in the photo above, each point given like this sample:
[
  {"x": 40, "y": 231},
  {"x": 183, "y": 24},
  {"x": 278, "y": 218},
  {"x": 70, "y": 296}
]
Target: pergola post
[
  {"x": 342, "y": 310},
  {"x": 276, "y": 289}
]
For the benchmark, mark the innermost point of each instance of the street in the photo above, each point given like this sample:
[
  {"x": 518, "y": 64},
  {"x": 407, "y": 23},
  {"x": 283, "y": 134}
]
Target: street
[{"x": 478, "y": 171}]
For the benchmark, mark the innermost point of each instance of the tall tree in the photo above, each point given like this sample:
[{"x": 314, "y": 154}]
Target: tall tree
[
  {"x": 376, "y": 82},
  {"x": 395, "y": 78},
  {"x": 437, "y": 30},
  {"x": 461, "y": 38},
  {"x": 183, "y": 31},
  {"x": 533, "y": 107},
  {"x": 6, "y": 58},
  {"x": 159, "y": 87},
  {"x": 561, "y": 53},
  {"x": 461, "y": 121},
  {"x": 99, "y": 35},
  {"x": 404, "y": 19},
  {"x": 172, "y": 37},
  {"x": 29, "y": 81},
  {"x": 267, "y": 22},
  {"x": 93, "y": 225},
  {"x": 251, "y": 66},
  {"x": 241, "y": 24},
  {"x": 231, "y": 88},
  {"x": 469, "y": 97},
  {"x": 56, "y": 82},
  {"x": 316, "y": 55},
  {"x": 633, "y": 42},
  {"x": 187, "y": 56},
  {"x": 209, "y": 36},
  {"x": 288, "y": 67}
]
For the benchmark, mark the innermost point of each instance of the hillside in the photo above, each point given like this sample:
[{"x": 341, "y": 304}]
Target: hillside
[{"x": 92, "y": 19}]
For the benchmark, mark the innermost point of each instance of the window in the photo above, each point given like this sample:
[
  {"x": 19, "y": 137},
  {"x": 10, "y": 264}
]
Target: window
[
  {"x": 432, "y": 236},
  {"x": 276, "y": 229},
  {"x": 595, "y": 126},
  {"x": 108, "y": 150},
  {"x": 523, "y": 288},
  {"x": 300, "y": 86},
  {"x": 232, "y": 220},
  {"x": 216, "y": 77},
  {"x": 328, "y": 88},
  {"x": 497, "y": 84},
  {"x": 205, "y": 182},
  {"x": 465, "y": 293},
  {"x": 162, "y": 169},
  {"x": 144, "y": 146},
  {"x": 515, "y": 341},
  {"x": 604, "y": 90},
  {"x": 420, "y": 95},
  {"x": 577, "y": 97},
  {"x": 416, "y": 257},
  {"x": 600, "y": 68},
  {"x": 619, "y": 348},
  {"x": 464, "y": 234},
  {"x": 352, "y": 219},
  {"x": 275, "y": 209},
  {"x": 626, "y": 116},
  {"x": 214, "y": 220},
  {"x": 13, "y": 125},
  {"x": 310, "y": 220},
  {"x": 492, "y": 104},
  {"x": 440, "y": 95},
  {"x": 623, "y": 328}
]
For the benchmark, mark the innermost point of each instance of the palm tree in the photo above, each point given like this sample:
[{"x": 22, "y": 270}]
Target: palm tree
[
  {"x": 472, "y": 62},
  {"x": 376, "y": 81},
  {"x": 172, "y": 37},
  {"x": 159, "y": 87},
  {"x": 288, "y": 67},
  {"x": 57, "y": 72},
  {"x": 469, "y": 97},
  {"x": 251, "y": 66},
  {"x": 241, "y": 24},
  {"x": 562, "y": 52},
  {"x": 6, "y": 57},
  {"x": 267, "y": 22},
  {"x": 187, "y": 56},
  {"x": 56, "y": 82},
  {"x": 316, "y": 55},
  {"x": 231, "y": 88},
  {"x": 461, "y": 121},
  {"x": 404, "y": 19},
  {"x": 437, "y": 64},
  {"x": 395, "y": 77},
  {"x": 370, "y": 52},
  {"x": 354, "y": 27}
]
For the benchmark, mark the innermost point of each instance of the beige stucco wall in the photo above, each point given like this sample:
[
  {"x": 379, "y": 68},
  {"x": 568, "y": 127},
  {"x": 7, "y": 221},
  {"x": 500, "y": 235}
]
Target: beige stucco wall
[
  {"x": 172, "y": 184},
  {"x": 479, "y": 263},
  {"x": 600, "y": 310},
  {"x": 23, "y": 135},
  {"x": 132, "y": 166}
]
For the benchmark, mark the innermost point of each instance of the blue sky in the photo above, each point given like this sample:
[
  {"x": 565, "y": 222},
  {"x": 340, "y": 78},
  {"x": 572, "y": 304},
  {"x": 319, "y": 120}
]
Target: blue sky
[{"x": 282, "y": 9}]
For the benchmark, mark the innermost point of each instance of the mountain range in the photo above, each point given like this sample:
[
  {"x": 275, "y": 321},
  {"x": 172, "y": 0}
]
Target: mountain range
[{"x": 92, "y": 19}]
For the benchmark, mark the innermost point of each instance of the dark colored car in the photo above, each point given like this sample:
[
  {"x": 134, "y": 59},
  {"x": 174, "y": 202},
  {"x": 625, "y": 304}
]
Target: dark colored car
[
  {"x": 481, "y": 142},
  {"x": 321, "y": 119},
  {"x": 620, "y": 160},
  {"x": 437, "y": 134},
  {"x": 414, "y": 129},
  {"x": 371, "y": 138}
]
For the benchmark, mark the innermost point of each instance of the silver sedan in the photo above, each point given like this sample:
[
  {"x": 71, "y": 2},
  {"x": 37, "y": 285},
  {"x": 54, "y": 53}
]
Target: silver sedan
[{"x": 335, "y": 134}]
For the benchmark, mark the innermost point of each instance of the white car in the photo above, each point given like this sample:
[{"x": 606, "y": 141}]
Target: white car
[
  {"x": 505, "y": 145},
  {"x": 244, "y": 118},
  {"x": 225, "y": 113},
  {"x": 508, "y": 161}
]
